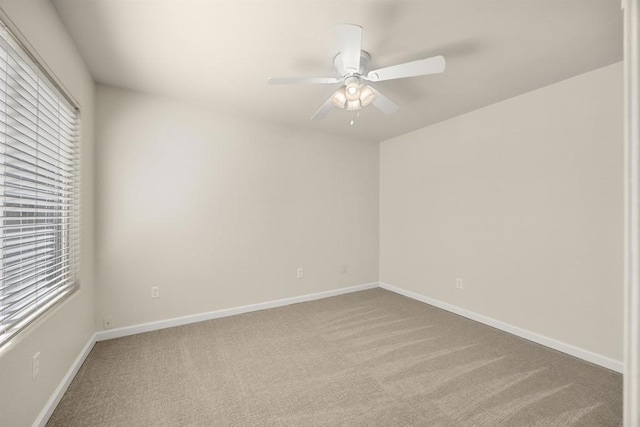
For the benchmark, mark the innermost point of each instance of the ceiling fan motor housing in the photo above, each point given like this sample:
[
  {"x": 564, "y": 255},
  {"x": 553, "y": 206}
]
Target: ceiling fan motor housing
[{"x": 365, "y": 59}]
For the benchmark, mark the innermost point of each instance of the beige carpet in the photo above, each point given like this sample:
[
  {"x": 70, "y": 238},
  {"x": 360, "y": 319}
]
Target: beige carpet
[{"x": 371, "y": 358}]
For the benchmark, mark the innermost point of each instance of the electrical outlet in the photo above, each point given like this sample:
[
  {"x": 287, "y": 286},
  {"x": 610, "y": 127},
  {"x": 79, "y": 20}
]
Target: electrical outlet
[
  {"x": 344, "y": 268},
  {"x": 300, "y": 273},
  {"x": 35, "y": 365},
  {"x": 107, "y": 322},
  {"x": 459, "y": 283},
  {"x": 155, "y": 292}
]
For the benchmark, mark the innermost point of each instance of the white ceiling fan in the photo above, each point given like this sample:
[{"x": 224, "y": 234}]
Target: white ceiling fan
[{"x": 351, "y": 64}]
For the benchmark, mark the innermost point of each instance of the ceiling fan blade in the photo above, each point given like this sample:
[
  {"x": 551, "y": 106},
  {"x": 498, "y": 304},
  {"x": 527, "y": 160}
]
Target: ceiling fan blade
[
  {"x": 433, "y": 65},
  {"x": 350, "y": 42},
  {"x": 323, "y": 111},
  {"x": 302, "y": 80},
  {"x": 384, "y": 104}
]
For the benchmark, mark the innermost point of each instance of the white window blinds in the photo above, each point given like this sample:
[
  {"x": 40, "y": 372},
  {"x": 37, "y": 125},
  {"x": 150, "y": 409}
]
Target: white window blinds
[{"x": 39, "y": 191}]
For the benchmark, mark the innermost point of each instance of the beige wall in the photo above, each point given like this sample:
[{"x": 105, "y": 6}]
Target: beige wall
[
  {"x": 521, "y": 199},
  {"x": 63, "y": 332},
  {"x": 219, "y": 210}
]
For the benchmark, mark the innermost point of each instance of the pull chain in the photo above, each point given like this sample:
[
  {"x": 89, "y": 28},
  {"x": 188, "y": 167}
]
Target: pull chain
[{"x": 353, "y": 118}]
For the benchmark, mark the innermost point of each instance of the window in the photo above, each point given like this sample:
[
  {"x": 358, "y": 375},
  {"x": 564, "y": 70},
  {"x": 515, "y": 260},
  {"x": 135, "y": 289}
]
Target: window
[{"x": 39, "y": 190}]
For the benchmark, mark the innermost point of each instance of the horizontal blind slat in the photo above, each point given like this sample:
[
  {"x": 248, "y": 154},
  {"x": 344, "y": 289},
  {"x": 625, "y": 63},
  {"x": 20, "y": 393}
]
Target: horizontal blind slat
[
  {"x": 14, "y": 309},
  {"x": 29, "y": 145},
  {"x": 21, "y": 134},
  {"x": 10, "y": 269},
  {"x": 13, "y": 292},
  {"x": 19, "y": 157},
  {"x": 30, "y": 269},
  {"x": 23, "y": 126}
]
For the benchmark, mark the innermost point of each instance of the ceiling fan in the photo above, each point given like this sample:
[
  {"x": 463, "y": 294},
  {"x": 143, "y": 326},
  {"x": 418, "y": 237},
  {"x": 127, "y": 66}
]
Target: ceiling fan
[{"x": 351, "y": 64}]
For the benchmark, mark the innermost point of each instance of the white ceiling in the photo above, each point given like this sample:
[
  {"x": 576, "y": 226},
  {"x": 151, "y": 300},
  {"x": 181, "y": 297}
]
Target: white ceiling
[{"x": 220, "y": 53}]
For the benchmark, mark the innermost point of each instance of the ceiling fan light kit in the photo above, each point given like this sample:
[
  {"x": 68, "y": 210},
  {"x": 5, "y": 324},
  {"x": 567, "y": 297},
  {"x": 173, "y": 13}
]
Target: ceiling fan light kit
[
  {"x": 367, "y": 95},
  {"x": 352, "y": 90},
  {"x": 353, "y": 95},
  {"x": 351, "y": 63}
]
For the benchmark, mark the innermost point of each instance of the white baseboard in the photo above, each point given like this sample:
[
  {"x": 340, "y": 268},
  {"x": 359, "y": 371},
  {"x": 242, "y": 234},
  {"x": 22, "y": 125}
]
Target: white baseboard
[
  {"x": 178, "y": 321},
  {"x": 48, "y": 409},
  {"x": 580, "y": 353}
]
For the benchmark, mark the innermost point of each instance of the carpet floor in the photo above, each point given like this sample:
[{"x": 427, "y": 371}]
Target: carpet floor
[{"x": 371, "y": 358}]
